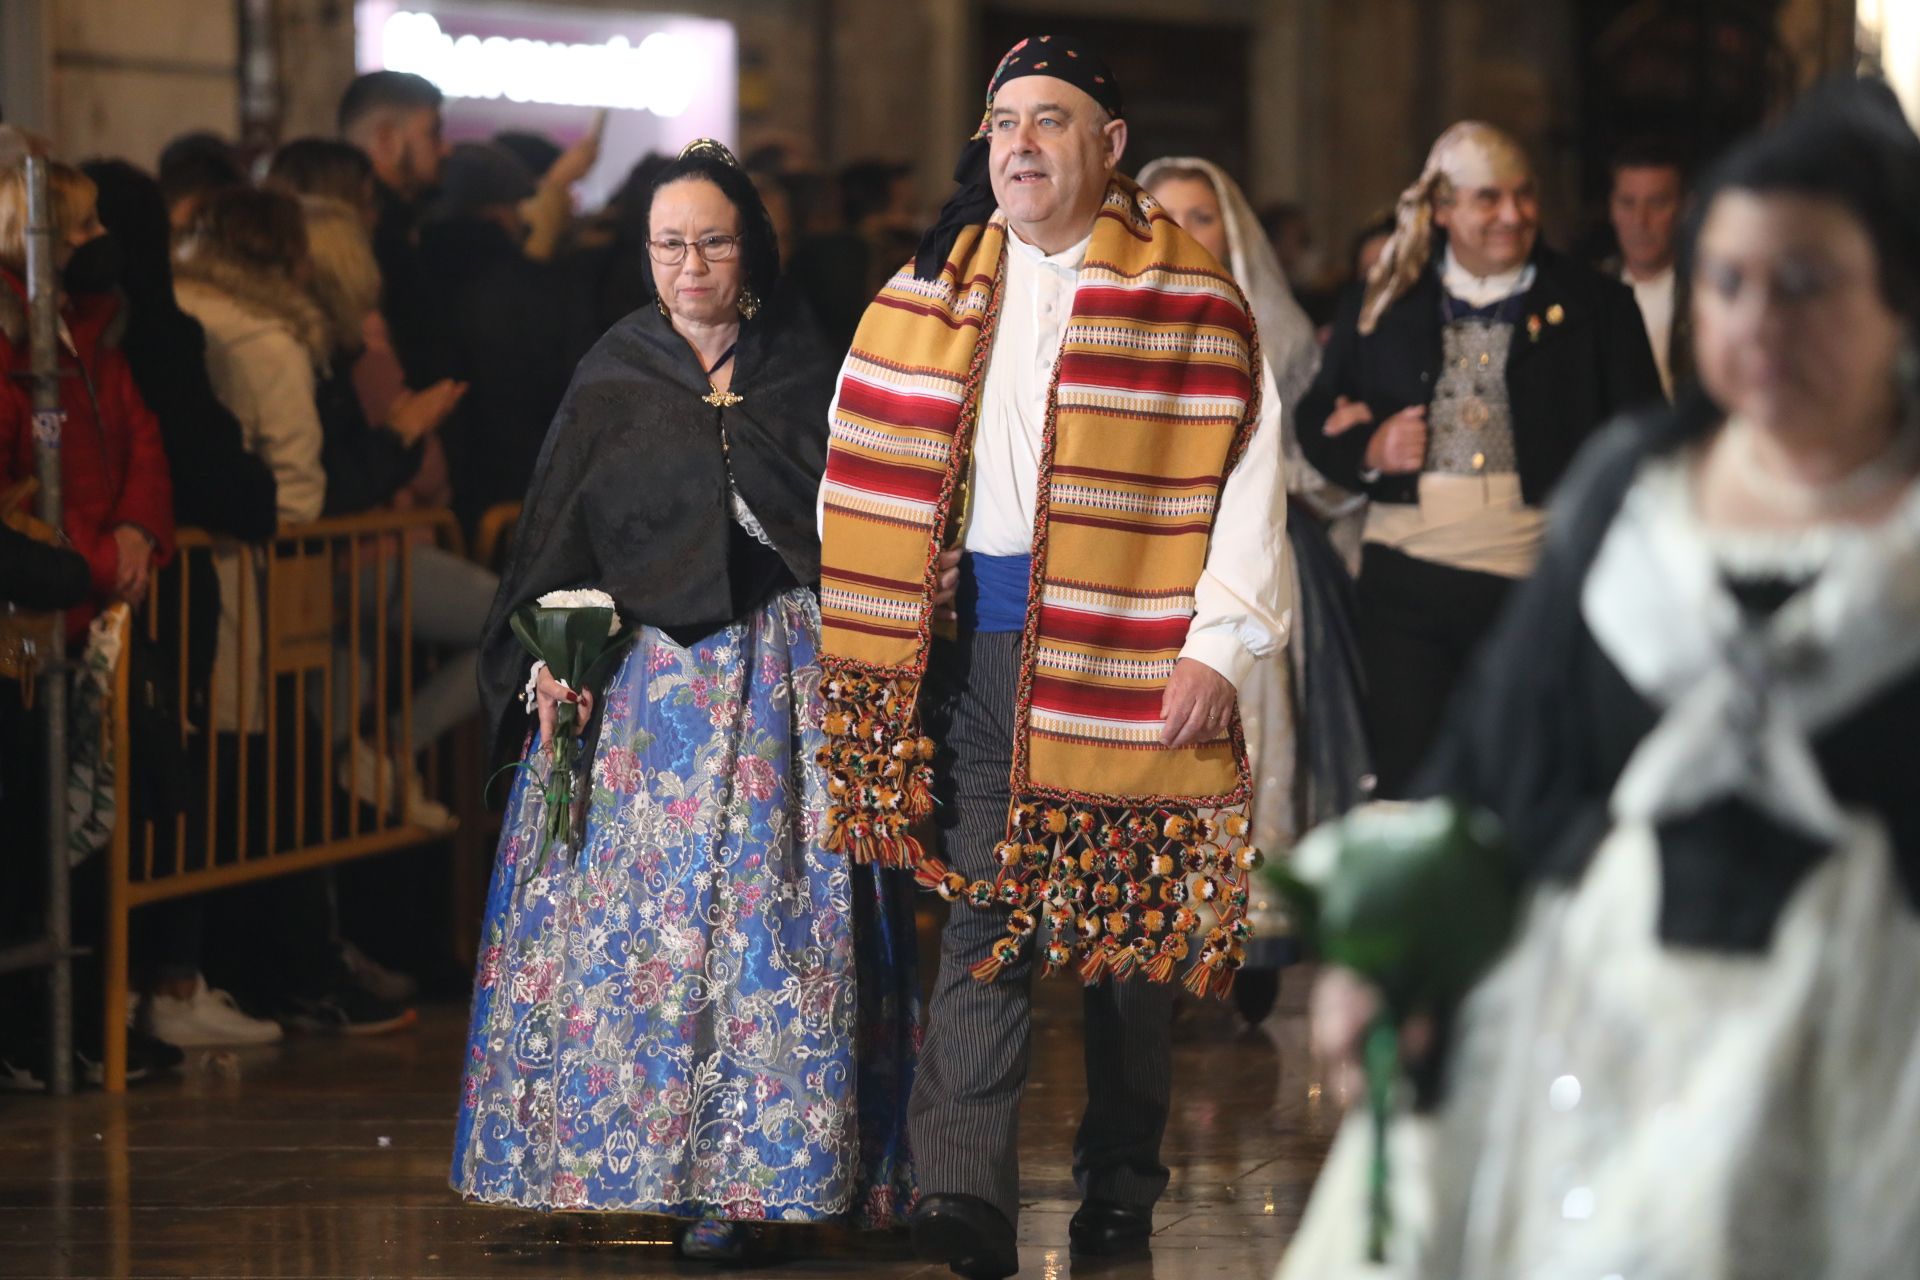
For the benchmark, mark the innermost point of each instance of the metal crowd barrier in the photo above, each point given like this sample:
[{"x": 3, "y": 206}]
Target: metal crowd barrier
[{"x": 316, "y": 620}]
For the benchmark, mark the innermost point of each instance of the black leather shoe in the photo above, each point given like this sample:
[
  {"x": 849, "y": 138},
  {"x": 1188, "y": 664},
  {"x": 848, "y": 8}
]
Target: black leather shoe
[
  {"x": 968, "y": 1234},
  {"x": 1105, "y": 1228}
]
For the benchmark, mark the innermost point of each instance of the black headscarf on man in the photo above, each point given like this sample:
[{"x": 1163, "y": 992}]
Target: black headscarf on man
[
  {"x": 630, "y": 494},
  {"x": 972, "y": 202}
]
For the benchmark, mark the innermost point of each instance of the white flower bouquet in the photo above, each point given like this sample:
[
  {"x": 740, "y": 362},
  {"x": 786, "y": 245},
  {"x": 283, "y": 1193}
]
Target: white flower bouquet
[{"x": 580, "y": 636}]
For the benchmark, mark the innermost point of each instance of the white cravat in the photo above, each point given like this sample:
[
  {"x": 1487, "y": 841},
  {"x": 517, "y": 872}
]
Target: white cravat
[
  {"x": 1655, "y": 297},
  {"x": 1482, "y": 291}
]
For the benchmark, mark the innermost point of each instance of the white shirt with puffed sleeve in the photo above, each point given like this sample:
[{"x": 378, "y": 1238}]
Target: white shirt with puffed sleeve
[{"x": 1243, "y": 602}]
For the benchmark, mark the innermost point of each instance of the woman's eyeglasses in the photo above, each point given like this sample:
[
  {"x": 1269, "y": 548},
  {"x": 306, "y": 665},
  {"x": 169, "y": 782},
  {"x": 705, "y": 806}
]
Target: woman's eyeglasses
[{"x": 673, "y": 252}]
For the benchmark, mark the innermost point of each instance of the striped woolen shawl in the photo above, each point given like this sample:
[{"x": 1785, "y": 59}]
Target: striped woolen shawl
[{"x": 1154, "y": 397}]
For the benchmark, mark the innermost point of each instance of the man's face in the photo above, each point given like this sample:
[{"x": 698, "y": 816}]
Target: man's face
[
  {"x": 418, "y": 148},
  {"x": 1644, "y": 207},
  {"x": 1492, "y": 221},
  {"x": 1053, "y": 150}
]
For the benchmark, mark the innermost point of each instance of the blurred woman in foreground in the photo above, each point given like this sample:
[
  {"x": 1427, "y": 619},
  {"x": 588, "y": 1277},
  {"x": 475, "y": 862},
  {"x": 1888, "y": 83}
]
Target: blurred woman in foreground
[{"x": 1700, "y": 1055}]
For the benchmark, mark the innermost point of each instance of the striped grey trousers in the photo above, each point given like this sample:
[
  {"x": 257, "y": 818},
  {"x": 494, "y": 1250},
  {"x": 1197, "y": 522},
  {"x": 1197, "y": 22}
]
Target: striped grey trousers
[{"x": 965, "y": 1111}]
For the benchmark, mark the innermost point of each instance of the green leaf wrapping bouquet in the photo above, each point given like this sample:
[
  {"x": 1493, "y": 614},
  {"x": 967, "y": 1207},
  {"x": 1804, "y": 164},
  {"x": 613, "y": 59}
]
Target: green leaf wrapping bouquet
[
  {"x": 1418, "y": 899},
  {"x": 580, "y": 636}
]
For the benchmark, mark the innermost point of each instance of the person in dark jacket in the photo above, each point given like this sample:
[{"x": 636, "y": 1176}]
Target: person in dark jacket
[
  {"x": 367, "y": 464},
  {"x": 1457, "y": 386},
  {"x": 224, "y": 489},
  {"x": 394, "y": 116},
  {"x": 117, "y": 514},
  {"x": 508, "y": 326},
  {"x": 117, "y": 492},
  {"x": 39, "y": 575},
  {"x": 217, "y": 484}
]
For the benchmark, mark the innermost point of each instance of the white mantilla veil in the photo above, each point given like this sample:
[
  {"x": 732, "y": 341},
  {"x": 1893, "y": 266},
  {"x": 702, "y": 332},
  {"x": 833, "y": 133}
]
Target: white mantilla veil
[
  {"x": 1292, "y": 353},
  {"x": 1286, "y": 335}
]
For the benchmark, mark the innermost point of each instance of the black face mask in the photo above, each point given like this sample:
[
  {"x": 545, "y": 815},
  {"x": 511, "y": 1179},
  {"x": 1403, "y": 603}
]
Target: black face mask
[{"x": 95, "y": 266}]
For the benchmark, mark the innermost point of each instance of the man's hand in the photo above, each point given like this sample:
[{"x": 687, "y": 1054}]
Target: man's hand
[
  {"x": 1347, "y": 414},
  {"x": 946, "y": 585},
  {"x": 1399, "y": 447},
  {"x": 1197, "y": 706},
  {"x": 134, "y": 554}
]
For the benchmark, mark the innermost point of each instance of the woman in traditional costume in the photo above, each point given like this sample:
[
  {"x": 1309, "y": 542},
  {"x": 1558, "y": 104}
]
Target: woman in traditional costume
[
  {"x": 1700, "y": 1055},
  {"x": 1300, "y": 707},
  {"x": 695, "y": 1011}
]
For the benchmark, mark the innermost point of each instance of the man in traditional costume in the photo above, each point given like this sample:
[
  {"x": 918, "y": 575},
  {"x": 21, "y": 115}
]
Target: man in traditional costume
[
  {"x": 1055, "y": 442},
  {"x": 1648, "y": 196},
  {"x": 1457, "y": 386}
]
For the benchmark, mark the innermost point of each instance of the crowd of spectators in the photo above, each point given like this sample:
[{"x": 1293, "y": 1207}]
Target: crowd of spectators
[{"x": 373, "y": 321}]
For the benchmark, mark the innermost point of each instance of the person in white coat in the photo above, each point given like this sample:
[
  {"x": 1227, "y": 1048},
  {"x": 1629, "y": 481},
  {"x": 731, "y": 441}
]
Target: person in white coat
[{"x": 239, "y": 272}]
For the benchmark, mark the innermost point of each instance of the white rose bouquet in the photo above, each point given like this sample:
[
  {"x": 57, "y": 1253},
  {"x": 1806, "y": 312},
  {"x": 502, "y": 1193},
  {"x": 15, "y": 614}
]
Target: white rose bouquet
[{"x": 580, "y": 637}]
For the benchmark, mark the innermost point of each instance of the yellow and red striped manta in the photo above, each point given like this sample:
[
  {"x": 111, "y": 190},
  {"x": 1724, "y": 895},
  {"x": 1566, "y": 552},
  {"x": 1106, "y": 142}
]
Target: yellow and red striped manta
[{"x": 1154, "y": 397}]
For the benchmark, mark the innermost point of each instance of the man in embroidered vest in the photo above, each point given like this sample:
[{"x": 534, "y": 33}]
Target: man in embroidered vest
[
  {"x": 1053, "y": 443},
  {"x": 1458, "y": 384}
]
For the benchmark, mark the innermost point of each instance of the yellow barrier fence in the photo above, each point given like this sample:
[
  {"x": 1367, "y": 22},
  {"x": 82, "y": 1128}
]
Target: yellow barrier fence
[{"x": 313, "y": 652}]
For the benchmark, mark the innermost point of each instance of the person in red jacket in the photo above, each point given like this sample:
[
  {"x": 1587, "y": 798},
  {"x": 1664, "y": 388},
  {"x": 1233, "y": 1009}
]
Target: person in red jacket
[
  {"x": 117, "y": 512},
  {"x": 117, "y": 493}
]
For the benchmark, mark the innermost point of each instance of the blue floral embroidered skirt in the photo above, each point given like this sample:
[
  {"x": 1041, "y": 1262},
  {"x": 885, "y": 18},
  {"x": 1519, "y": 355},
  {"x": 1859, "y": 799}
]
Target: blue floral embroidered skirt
[{"x": 699, "y": 1012}]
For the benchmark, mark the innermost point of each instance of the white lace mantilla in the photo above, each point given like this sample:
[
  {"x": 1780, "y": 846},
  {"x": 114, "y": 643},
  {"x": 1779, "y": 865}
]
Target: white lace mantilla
[{"x": 744, "y": 517}]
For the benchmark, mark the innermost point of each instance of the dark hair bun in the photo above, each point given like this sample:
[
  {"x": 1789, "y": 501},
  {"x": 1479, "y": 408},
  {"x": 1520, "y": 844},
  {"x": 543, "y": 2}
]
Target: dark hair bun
[{"x": 1848, "y": 142}]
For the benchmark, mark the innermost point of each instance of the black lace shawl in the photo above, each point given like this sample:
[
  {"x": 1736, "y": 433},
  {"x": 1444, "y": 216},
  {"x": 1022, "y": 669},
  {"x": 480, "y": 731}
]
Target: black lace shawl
[{"x": 629, "y": 494}]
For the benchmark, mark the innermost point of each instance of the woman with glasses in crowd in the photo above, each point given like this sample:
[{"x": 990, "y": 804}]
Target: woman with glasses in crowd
[{"x": 683, "y": 1015}]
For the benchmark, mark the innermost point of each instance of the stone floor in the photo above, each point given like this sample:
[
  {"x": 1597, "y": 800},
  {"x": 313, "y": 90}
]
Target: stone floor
[{"x": 328, "y": 1158}]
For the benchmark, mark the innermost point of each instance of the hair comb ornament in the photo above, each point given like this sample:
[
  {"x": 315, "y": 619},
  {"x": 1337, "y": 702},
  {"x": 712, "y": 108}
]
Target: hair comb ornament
[{"x": 711, "y": 147}]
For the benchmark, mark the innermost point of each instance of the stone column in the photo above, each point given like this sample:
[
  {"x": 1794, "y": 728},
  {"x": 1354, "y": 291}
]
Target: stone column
[
  {"x": 128, "y": 75},
  {"x": 313, "y": 42},
  {"x": 26, "y": 65},
  {"x": 1820, "y": 36}
]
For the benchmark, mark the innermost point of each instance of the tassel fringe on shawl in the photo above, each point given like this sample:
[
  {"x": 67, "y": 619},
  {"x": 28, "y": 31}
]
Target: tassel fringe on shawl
[{"x": 1153, "y": 400}]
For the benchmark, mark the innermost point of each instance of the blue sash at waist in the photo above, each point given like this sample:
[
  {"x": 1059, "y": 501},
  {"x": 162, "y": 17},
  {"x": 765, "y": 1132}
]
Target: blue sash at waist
[{"x": 993, "y": 592}]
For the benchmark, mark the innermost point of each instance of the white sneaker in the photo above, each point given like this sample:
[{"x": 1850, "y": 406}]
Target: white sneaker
[
  {"x": 207, "y": 1017},
  {"x": 368, "y": 776},
  {"x": 388, "y": 985},
  {"x": 421, "y": 809}
]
